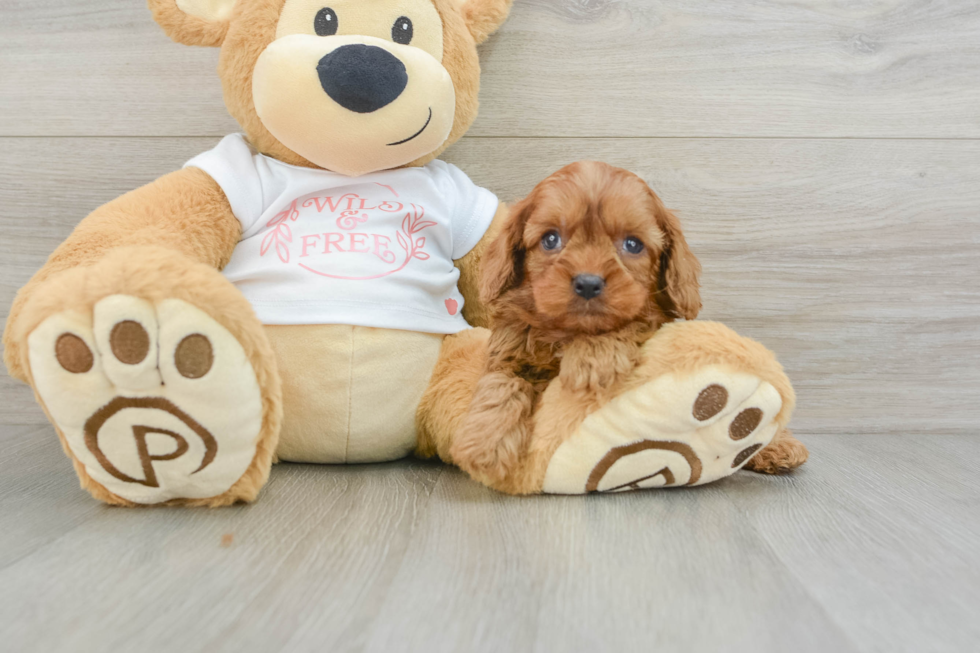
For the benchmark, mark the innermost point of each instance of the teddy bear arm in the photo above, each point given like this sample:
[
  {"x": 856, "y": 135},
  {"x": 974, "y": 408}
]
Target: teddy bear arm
[
  {"x": 475, "y": 311},
  {"x": 184, "y": 211}
]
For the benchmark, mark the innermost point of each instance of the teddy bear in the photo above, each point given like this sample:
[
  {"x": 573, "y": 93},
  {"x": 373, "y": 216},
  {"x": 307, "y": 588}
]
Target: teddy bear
[{"x": 307, "y": 290}]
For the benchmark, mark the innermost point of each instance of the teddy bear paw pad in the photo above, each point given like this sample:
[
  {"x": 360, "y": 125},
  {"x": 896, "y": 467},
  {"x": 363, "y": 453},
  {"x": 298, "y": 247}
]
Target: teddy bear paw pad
[
  {"x": 671, "y": 432},
  {"x": 158, "y": 402}
]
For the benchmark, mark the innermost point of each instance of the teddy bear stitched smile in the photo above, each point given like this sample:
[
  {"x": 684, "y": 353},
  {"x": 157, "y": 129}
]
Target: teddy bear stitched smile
[{"x": 348, "y": 86}]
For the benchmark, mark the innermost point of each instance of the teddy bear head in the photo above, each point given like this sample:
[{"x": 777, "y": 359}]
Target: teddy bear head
[{"x": 350, "y": 86}]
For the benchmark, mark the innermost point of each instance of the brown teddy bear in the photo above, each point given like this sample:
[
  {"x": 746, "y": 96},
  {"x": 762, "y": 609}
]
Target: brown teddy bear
[{"x": 304, "y": 291}]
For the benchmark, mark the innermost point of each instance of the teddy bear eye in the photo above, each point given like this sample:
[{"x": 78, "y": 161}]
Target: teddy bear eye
[
  {"x": 325, "y": 22},
  {"x": 633, "y": 245},
  {"x": 403, "y": 31},
  {"x": 551, "y": 241}
]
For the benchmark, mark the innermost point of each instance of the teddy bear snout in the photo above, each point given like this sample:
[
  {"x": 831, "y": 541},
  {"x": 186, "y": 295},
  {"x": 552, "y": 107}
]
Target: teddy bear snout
[{"x": 362, "y": 78}]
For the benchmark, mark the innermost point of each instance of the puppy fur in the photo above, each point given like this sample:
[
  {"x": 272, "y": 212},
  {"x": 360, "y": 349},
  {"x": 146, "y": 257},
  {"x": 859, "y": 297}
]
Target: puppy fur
[{"x": 586, "y": 269}]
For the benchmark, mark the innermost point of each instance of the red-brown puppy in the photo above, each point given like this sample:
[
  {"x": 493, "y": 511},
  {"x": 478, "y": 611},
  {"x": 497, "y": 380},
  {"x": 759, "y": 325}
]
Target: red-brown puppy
[{"x": 587, "y": 268}]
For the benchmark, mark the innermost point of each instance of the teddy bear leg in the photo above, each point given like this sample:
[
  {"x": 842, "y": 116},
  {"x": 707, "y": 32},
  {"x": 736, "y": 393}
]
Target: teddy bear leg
[
  {"x": 157, "y": 377},
  {"x": 700, "y": 405},
  {"x": 350, "y": 394}
]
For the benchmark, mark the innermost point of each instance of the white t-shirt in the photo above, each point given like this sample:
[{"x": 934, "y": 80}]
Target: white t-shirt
[{"x": 321, "y": 248}]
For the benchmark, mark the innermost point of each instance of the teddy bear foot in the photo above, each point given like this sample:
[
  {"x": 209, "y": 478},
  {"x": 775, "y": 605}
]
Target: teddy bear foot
[
  {"x": 156, "y": 402},
  {"x": 670, "y": 432}
]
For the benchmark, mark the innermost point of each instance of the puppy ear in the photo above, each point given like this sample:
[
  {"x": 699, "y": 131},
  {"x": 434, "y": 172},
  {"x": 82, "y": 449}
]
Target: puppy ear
[
  {"x": 483, "y": 17},
  {"x": 194, "y": 22},
  {"x": 679, "y": 284},
  {"x": 503, "y": 265}
]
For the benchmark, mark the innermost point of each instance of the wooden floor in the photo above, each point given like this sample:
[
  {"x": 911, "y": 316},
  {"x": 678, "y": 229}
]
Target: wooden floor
[
  {"x": 872, "y": 547},
  {"x": 824, "y": 157}
]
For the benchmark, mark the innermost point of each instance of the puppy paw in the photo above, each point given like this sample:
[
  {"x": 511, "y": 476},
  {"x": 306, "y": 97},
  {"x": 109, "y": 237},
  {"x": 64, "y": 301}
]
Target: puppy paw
[
  {"x": 485, "y": 460},
  {"x": 672, "y": 431},
  {"x": 784, "y": 454},
  {"x": 157, "y": 402},
  {"x": 495, "y": 432}
]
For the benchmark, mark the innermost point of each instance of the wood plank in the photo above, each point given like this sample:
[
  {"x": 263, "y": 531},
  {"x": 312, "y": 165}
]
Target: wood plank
[
  {"x": 855, "y": 261},
  {"x": 318, "y": 551},
  {"x": 102, "y": 67},
  {"x": 676, "y": 570},
  {"x": 883, "y": 533},
  {"x": 40, "y": 499},
  {"x": 871, "y": 546},
  {"x": 892, "y": 68}
]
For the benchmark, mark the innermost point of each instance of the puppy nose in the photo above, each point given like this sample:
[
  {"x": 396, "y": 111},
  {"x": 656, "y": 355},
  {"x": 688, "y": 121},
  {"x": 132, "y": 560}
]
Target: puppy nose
[
  {"x": 362, "y": 78},
  {"x": 588, "y": 286}
]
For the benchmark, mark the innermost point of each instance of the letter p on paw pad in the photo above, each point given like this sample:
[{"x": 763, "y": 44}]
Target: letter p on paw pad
[{"x": 157, "y": 402}]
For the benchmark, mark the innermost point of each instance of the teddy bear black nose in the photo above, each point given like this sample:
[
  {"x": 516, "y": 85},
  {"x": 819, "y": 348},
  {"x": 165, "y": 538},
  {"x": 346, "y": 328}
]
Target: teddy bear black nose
[
  {"x": 362, "y": 78},
  {"x": 588, "y": 286}
]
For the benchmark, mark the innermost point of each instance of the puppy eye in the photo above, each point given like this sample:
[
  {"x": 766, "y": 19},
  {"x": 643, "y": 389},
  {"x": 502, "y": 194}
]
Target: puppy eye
[
  {"x": 551, "y": 241},
  {"x": 403, "y": 31},
  {"x": 325, "y": 22},
  {"x": 633, "y": 245}
]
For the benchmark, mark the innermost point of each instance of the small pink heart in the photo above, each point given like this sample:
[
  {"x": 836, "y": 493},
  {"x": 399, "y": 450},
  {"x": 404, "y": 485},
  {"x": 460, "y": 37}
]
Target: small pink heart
[{"x": 452, "y": 306}]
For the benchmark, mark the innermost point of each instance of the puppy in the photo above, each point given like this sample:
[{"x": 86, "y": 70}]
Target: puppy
[{"x": 587, "y": 268}]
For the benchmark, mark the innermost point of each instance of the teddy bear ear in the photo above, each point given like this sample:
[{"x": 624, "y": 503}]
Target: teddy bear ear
[
  {"x": 194, "y": 22},
  {"x": 483, "y": 17}
]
